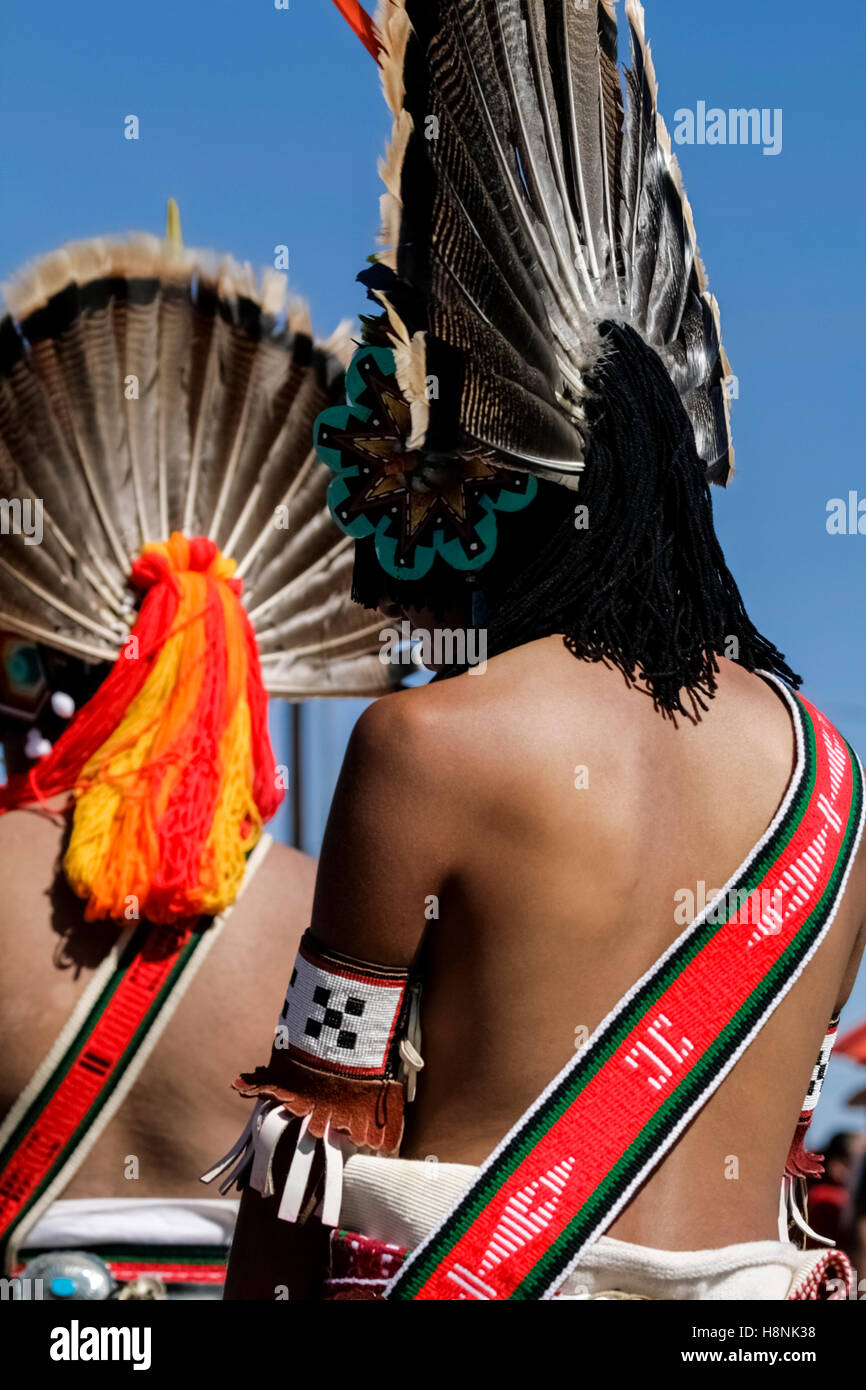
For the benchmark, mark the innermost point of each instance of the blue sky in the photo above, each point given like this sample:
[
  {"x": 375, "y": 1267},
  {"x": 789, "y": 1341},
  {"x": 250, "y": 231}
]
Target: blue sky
[{"x": 266, "y": 125}]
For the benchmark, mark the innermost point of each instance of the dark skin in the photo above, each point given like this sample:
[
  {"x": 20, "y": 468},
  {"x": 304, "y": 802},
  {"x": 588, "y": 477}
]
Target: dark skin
[{"x": 552, "y": 901}]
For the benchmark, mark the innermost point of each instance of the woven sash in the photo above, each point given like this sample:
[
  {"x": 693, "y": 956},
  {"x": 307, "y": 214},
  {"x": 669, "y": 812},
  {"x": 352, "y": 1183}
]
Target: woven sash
[
  {"x": 84, "y": 1079},
  {"x": 573, "y": 1161}
]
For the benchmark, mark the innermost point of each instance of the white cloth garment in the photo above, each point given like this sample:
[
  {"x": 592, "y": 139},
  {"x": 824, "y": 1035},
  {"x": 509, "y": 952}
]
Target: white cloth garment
[
  {"x": 134, "y": 1221},
  {"x": 400, "y": 1200}
]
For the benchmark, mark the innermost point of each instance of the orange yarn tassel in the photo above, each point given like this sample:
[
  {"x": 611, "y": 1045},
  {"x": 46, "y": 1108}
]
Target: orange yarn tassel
[{"x": 170, "y": 762}]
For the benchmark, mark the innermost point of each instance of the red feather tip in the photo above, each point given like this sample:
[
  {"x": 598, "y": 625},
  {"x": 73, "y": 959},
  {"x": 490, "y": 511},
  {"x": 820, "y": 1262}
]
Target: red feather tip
[{"x": 360, "y": 22}]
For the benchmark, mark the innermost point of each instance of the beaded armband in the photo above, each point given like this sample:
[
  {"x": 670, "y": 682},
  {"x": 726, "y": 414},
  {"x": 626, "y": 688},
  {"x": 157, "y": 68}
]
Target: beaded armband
[
  {"x": 802, "y": 1163},
  {"x": 336, "y": 1053},
  {"x": 344, "y": 1056}
]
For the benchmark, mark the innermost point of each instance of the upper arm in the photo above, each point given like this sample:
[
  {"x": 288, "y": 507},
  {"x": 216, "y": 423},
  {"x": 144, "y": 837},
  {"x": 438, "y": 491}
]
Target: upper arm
[
  {"x": 385, "y": 848},
  {"x": 378, "y": 861}
]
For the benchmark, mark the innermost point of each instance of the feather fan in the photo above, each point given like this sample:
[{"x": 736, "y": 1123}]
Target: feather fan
[
  {"x": 529, "y": 197},
  {"x": 146, "y": 389}
]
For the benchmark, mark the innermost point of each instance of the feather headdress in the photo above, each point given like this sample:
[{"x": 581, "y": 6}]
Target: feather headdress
[
  {"x": 164, "y": 510},
  {"x": 530, "y": 195}
]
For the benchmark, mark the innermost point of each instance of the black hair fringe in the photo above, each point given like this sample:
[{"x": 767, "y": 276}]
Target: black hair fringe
[{"x": 645, "y": 586}]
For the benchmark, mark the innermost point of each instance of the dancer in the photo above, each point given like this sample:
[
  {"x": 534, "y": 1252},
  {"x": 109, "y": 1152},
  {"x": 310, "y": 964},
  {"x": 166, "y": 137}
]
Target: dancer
[
  {"x": 169, "y": 562},
  {"x": 616, "y": 878}
]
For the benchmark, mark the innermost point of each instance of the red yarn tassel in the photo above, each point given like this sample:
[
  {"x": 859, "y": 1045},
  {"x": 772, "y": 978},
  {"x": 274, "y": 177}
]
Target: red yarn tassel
[
  {"x": 58, "y": 770},
  {"x": 193, "y": 774}
]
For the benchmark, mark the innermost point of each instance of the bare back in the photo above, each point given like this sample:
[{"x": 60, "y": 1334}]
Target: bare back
[
  {"x": 561, "y": 824},
  {"x": 181, "y": 1112}
]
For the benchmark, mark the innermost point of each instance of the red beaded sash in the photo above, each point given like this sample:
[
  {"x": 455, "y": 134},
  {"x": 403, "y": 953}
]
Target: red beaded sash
[{"x": 573, "y": 1161}]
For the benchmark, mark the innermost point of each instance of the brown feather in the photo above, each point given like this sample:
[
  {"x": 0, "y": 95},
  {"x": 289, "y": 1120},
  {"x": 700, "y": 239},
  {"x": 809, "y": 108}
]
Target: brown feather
[{"x": 220, "y": 435}]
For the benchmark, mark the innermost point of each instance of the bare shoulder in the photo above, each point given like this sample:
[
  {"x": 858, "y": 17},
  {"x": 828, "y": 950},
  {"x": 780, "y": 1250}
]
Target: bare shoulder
[
  {"x": 535, "y": 694},
  {"x": 408, "y": 747},
  {"x": 467, "y": 713},
  {"x": 460, "y": 738},
  {"x": 536, "y": 712}
]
